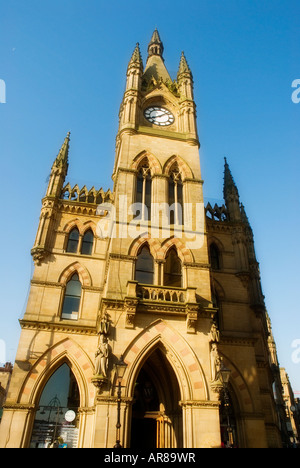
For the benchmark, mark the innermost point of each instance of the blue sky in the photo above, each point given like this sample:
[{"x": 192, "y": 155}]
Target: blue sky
[{"x": 64, "y": 64}]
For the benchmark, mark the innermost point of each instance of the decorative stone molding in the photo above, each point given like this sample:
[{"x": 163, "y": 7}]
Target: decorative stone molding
[
  {"x": 200, "y": 404},
  {"x": 39, "y": 254},
  {"x": 86, "y": 410},
  {"x": 245, "y": 278},
  {"x": 69, "y": 328},
  {"x": 217, "y": 388},
  {"x": 128, "y": 258},
  {"x": 18, "y": 407},
  {"x": 130, "y": 305},
  {"x": 99, "y": 381},
  {"x": 191, "y": 317},
  {"x": 50, "y": 284}
]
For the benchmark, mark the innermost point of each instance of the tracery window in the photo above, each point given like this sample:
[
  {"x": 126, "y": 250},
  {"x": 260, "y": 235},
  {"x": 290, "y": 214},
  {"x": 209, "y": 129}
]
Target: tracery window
[
  {"x": 173, "y": 269},
  {"x": 144, "y": 267},
  {"x": 143, "y": 190},
  {"x": 87, "y": 243},
  {"x": 175, "y": 196},
  {"x": 73, "y": 241},
  {"x": 72, "y": 298}
]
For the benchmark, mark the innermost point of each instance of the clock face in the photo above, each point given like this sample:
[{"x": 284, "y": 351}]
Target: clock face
[{"x": 159, "y": 116}]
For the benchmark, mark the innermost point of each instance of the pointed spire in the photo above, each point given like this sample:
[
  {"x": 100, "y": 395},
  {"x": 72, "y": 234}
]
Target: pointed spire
[
  {"x": 244, "y": 216},
  {"x": 183, "y": 67},
  {"x": 231, "y": 195},
  {"x": 155, "y": 67},
  {"x": 230, "y": 187},
  {"x": 62, "y": 157},
  {"x": 136, "y": 58},
  {"x": 155, "y": 46},
  {"x": 59, "y": 169}
]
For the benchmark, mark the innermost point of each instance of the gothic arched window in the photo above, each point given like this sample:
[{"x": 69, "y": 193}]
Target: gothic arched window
[
  {"x": 73, "y": 241},
  {"x": 72, "y": 298},
  {"x": 59, "y": 396},
  {"x": 144, "y": 267},
  {"x": 87, "y": 243},
  {"x": 214, "y": 255},
  {"x": 175, "y": 198},
  {"x": 173, "y": 269},
  {"x": 143, "y": 189}
]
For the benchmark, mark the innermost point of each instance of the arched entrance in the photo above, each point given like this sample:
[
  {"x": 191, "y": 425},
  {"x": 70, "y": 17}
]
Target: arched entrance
[
  {"x": 56, "y": 422},
  {"x": 156, "y": 420}
]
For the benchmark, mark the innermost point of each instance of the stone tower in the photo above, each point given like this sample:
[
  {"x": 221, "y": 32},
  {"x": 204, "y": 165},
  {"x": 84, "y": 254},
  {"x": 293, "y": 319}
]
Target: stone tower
[{"x": 147, "y": 276}]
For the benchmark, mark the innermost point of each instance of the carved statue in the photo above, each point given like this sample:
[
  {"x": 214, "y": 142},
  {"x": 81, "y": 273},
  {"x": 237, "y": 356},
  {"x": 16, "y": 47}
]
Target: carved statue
[
  {"x": 214, "y": 333},
  {"x": 104, "y": 325},
  {"x": 215, "y": 362},
  {"x": 101, "y": 357}
]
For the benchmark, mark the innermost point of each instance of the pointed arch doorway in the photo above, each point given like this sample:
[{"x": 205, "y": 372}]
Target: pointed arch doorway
[{"x": 156, "y": 419}]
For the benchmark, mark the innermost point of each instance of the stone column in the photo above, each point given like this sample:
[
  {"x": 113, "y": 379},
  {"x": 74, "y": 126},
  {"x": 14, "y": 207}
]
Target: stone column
[
  {"x": 201, "y": 424},
  {"x": 16, "y": 426}
]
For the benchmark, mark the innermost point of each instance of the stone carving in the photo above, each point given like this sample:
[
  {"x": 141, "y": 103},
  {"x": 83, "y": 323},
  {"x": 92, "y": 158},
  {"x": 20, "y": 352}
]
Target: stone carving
[
  {"x": 214, "y": 333},
  {"x": 215, "y": 362},
  {"x": 104, "y": 325},
  {"x": 101, "y": 358},
  {"x": 130, "y": 309},
  {"x": 191, "y": 318},
  {"x": 102, "y": 353}
]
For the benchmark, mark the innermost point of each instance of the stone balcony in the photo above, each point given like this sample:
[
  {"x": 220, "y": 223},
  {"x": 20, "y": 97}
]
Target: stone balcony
[
  {"x": 165, "y": 293},
  {"x": 163, "y": 300}
]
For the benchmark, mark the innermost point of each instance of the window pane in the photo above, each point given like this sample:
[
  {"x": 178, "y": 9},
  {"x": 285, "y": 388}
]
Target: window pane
[
  {"x": 71, "y": 305},
  {"x": 145, "y": 260},
  {"x": 173, "y": 270},
  {"x": 143, "y": 188},
  {"x": 87, "y": 243},
  {"x": 73, "y": 241},
  {"x": 87, "y": 248},
  {"x": 180, "y": 202},
  {"x": 144, "y": 269},
  {"x": 148, "y": 198},
  {"x": 72, "y": 298},
  {"x": 139, "y": 184},
  {"x": 171, "y": 192},
  {"x": 144, "y": 277},
  {"x": 171, "y": 200},
  {"x": 73, "y": 288},
  {"x": 60, "y": 395}
]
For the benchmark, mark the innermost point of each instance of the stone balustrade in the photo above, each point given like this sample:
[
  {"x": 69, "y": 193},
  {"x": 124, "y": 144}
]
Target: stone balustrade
[{"x": 146, "y": 292}]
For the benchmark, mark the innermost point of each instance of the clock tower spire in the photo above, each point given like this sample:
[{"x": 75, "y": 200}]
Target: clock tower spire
[{"x": 157, "y": 164}]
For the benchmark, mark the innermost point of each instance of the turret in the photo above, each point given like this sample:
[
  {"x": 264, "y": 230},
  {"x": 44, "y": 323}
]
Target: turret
[
  {"x": 130, "y": 105},
  {"x": 187, "y": 104},
  {"x": 185, "y": 79},
  {"x": 135, "y": 70},
  {"x": 42, "y": 245}
]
